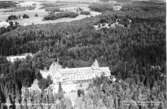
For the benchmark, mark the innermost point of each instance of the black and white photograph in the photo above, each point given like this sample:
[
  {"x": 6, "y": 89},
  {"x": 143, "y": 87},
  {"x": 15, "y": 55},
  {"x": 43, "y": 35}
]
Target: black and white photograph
[{"x": 83, "y": 54}]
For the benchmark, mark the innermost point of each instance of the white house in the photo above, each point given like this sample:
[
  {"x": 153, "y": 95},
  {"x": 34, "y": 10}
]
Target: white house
[{"x": 4, "y": 24}]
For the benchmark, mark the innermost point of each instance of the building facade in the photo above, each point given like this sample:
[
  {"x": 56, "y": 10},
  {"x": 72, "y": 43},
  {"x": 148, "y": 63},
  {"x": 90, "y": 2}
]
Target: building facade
[
  {"x": 66, "y": 75},
  {"x": 73, "y": 79}
]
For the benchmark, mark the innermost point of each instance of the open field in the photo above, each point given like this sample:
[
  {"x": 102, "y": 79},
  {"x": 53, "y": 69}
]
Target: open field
[{"x": 41, "y": 10}]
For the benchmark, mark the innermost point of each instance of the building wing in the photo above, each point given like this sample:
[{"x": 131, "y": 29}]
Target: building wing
[{"x": 59, "y": 74}]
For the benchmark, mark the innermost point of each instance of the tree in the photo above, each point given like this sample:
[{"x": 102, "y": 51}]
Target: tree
[
  {"x": 44, "y": 83},
  {"x": 25, "y": 16}
]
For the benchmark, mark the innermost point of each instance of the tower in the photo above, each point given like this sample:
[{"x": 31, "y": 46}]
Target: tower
[
  {"x": 54, "y": 72},
  {"x": 95, "y": 65},
  {"x": 60, "y": 91}
]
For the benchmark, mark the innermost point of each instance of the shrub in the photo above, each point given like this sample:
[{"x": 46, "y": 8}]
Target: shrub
[
  {"x": 85, "y": 12},
  {"x": 36, "y": 15},
  {"x": 101, "y": 7},
  {"x": 25, "y": 16},
  {"x": 52, "y": 10},
  {"x": 12, "y": 17},
  {"x": 44, "y": 83}
]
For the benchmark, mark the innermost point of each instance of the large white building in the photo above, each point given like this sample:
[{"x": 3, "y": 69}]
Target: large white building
[
  {"x": 66, "y": 75},
  {"x": 73, "y": 79}
]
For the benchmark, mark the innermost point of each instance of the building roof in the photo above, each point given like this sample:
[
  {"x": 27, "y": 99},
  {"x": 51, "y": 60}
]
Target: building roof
[
  {"x": 84, "y": 73},
  {"x": 59, "y": 74}
]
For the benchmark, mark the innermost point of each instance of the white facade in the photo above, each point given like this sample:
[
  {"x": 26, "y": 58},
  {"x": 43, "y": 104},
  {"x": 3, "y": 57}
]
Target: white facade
[
  {"x": 68, "y": 75},
  {"x": 73, "y": 78}
]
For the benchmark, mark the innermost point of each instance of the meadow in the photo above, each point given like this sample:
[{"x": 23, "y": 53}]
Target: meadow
[{"x": 61, "y": 11}]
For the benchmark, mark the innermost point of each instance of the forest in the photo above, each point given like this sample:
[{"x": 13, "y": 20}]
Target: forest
[
  {"x": 7, "y": 4},
  {"x": 101, "y": 7},
  {"x": 135, "y": 55},
  {"x": 60, "y": 15}
]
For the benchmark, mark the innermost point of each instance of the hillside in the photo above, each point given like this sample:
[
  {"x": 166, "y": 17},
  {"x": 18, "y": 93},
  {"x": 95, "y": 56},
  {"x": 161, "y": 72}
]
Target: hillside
[{"x": 135, "y": 54}]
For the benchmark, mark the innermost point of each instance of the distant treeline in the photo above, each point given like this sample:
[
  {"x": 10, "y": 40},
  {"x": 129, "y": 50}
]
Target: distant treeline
[
  {"x": 15, "y": 17},
  {"x": 60, "y": 15},
  {"x": 101, "y": 7},
  {"x": 7, "y": 4}
]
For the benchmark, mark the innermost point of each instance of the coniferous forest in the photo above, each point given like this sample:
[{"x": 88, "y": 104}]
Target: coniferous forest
[{"x": 136, "y": 55}]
